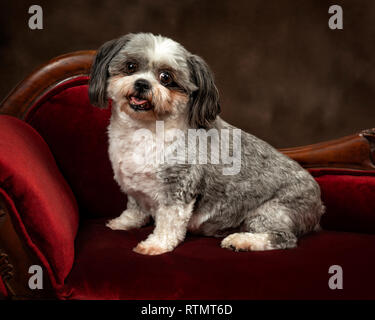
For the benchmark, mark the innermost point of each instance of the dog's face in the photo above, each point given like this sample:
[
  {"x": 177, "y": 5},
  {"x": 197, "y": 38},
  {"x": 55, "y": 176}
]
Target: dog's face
[{"x": 151, "y": 78}]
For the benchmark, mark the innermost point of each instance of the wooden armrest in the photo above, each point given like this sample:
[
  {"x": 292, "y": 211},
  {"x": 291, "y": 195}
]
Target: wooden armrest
[{"x": 352, "y": 152}]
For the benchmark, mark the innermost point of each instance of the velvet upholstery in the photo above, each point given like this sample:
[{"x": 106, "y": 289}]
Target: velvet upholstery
[
  {"x": 105, "y": 267},
  {"x": 39, "y": 199},
  {"x": 200, "y": 269},
  {"x": 76, "y": 134},
  {"x": 3, "y": 291},
  {"x": 349, "y": 198}
]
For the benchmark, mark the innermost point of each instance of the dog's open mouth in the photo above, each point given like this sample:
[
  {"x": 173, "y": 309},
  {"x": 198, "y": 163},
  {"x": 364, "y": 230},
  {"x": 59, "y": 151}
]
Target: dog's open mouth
[{"x": 139, "y": 104}]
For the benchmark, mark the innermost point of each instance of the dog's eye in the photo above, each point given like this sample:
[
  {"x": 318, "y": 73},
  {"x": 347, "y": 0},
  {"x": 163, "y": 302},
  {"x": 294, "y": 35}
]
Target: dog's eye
[
  {"x": 130, "y": 67},
  {"x": 165, "y": 78}
]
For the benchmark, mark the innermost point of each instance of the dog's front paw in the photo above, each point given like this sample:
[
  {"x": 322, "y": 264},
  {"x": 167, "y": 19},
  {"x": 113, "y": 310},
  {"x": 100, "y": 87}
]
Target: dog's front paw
[
  {"x": 117, "y": 224},
  {"x": 151, "y": 249},
  {"x": 129, "y": 219}
]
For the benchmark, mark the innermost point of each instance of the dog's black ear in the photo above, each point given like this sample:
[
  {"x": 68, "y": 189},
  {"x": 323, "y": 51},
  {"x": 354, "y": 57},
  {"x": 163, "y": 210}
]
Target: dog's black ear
[
  {"x": 99, "y": 70},
  {"x": 204, "y": 101}
]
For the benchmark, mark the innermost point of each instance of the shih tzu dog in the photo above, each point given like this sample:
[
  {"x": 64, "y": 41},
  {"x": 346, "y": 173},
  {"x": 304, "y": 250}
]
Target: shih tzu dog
[{"x": 266, "y": 204}]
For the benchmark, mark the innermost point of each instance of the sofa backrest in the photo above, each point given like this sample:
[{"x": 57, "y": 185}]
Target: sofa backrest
[{"x": 76, "y": 134}]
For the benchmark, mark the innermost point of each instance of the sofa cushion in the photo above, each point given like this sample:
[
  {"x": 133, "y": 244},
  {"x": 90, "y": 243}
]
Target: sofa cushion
[
  {"x": 40, "y": 202},
  {"x": 106, "y": 268}
]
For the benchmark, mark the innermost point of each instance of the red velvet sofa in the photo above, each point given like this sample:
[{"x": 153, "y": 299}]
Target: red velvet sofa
[{"x": 57, "y": 191}]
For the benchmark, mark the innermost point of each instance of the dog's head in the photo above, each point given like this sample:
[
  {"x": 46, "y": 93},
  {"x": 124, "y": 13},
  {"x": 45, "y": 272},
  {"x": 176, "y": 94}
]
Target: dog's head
[{"x": 152, "y": 77}]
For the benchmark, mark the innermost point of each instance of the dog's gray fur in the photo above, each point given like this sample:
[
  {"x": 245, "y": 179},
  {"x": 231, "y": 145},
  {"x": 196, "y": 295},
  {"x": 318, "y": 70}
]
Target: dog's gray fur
[{"x": 272, "y": 194}]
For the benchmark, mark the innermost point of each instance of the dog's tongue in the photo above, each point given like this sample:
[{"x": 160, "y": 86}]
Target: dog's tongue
[{"x": 135, "y": 100}]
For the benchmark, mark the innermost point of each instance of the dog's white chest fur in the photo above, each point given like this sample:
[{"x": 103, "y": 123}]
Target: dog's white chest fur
[
  {"x": 134, "y": 178},
  {"x": 134, "y": 160}
]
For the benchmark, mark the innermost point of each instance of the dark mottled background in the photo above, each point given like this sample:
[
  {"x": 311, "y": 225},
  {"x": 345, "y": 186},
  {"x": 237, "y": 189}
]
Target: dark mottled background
[{"x": 282, "y": 73}]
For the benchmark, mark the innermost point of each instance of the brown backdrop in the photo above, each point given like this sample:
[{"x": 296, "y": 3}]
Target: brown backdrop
[{"x": 282, "y": 73}]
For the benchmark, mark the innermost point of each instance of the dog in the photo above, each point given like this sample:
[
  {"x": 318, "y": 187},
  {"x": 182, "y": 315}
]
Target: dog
[{"x": 267, "y": 205}]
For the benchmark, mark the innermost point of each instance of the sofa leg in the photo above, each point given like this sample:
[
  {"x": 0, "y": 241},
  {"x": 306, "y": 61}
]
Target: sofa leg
[{"x": 6, "y": 271}]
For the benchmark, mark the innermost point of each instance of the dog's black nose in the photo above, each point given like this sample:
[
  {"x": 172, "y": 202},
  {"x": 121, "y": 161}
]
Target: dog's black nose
[{"x": 142, "y": 85}]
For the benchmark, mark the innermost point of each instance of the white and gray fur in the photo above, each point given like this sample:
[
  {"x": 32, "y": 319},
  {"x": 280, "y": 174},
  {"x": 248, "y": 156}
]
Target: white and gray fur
[{"x": 267, "y": 205}]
